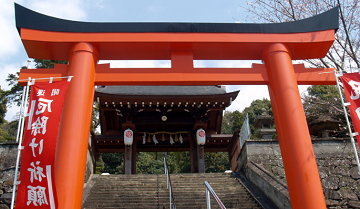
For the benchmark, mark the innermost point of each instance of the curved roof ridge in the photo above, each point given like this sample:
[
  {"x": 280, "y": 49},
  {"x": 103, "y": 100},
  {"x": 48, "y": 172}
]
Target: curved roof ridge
[{"x": 26, "y": 18}]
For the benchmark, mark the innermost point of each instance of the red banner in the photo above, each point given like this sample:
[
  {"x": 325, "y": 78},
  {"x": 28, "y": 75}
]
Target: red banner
[
  {"x": 37, "y": 184},
  {"x": 351, "y": 82}
]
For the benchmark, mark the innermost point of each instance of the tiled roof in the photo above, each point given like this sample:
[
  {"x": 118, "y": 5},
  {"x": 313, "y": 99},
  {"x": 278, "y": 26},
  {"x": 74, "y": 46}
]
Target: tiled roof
[{"x": 161, "y": 90}]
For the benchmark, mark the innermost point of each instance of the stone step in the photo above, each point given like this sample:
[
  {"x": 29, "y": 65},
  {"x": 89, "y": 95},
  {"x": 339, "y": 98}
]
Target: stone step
[
  {"x": 215, "y": 205},
  {"x": 129, "y": 195},
  {"x": 149, "y": 191}
]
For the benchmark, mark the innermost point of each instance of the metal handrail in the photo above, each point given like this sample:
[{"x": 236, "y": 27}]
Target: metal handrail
[
  {"x": 209, "y": 191},
  {"x": 168, "y": 183}
]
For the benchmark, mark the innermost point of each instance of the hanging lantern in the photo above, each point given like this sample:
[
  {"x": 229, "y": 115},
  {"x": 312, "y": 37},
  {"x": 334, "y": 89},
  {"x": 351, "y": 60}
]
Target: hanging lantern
[
  {"x": 128, "y": 137},
  {"x": 200, "y": 136}
]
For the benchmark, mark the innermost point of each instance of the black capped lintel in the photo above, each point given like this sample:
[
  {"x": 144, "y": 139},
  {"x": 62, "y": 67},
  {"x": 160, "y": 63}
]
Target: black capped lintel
[{"x": 26, "y": 18}]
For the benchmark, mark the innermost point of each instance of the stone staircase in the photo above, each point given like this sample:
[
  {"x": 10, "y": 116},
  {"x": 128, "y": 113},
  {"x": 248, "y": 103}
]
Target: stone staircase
[
  {"x": 149, "y": 191},
  {"x": 189, "y": 191},
  {"x": 126, "y": 191}
]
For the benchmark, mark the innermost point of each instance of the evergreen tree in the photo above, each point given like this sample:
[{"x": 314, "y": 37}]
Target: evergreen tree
[
  {"x": 216, "y": 162},
  {"x": 179, "y": 162},
  {"x": 232, "y": 121},
  {"x": 110, "y": 163},
  {"x": 3, "y": 103},
  {"x": 324, "y": 100},
  {"x": 254, "y": 110},
  {"x": 150, "y": 163}
]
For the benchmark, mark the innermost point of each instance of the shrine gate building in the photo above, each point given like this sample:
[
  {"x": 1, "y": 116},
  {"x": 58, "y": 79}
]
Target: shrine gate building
[
  {"x": 84, "y": 43},
  {"x": 164, "y": 111}
]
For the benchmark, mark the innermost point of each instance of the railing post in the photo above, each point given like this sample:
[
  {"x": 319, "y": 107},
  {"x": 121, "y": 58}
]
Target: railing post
[
  {"x": 170, "y": 196},
  {"x": 209, "y": 190},
  {"x": 167, "y": 179},
  {"x": 208, "y": 204},
  {"x": 168, "y": 183}
]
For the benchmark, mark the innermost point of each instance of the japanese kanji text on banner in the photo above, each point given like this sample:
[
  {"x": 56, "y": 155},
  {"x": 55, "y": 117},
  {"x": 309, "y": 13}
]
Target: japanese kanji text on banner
[
  {"x": 351, "y": 82},
  {"x": 37, "y": 184}
]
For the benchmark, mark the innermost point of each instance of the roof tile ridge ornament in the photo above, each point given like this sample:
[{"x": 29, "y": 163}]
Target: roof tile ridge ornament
[{"x": 26, "y": 18}]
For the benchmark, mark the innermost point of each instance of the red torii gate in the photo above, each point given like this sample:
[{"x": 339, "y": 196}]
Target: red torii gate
[{"x": 83, "y": 44}]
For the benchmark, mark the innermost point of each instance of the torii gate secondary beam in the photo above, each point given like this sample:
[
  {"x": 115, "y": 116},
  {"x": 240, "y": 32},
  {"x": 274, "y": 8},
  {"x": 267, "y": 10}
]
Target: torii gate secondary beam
[
  {"x": 83, "y": 44},
  {"x": 257, "y": 75}
]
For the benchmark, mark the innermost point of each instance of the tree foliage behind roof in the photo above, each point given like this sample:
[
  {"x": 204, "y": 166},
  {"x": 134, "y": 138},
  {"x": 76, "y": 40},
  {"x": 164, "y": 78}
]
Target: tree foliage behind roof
[
  {"x": 344, "y": 53},
  {"x": 233, "y": 121},
  {"x": 14, "y": 94},
  {"x": 325, "y": 101}
]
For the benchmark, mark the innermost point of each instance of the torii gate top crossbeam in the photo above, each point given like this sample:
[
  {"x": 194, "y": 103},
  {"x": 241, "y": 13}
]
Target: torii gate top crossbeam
[{"x": 47, "y": 37}]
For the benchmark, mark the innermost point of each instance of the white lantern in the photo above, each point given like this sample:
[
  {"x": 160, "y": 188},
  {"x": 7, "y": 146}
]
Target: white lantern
[
  {"x": 200, "y": 136},
  {"x": 128, "y": 137}
]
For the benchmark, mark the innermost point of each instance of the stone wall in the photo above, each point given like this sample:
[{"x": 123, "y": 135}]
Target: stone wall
[
  {"x": 8, "y": 154},
  {"x": 90, "y": 160},
  {"x": 261, "y": 162}
]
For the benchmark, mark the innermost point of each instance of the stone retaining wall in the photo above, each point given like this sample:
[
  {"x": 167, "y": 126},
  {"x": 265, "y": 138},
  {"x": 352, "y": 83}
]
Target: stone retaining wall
[
  {"x": 8, "y": 154},
  {"x": 261, "y": 162}
]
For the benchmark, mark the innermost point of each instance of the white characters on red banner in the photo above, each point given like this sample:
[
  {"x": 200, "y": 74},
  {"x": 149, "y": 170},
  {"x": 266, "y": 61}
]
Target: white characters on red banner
[
  {"x": 55, "y": 92},
  {"x": 356, "y": 89},
  {"x": 351, "y": 84},
  {"x": 36, "y": 195},
  {"x": 355, "y": 94},
  {"x": 36, "y": 172},
  {"x": 40, "y": 92},
  {"x": 43, "y": 103},
  {"x": 36, "y": 188},
  {"x": 39, "y": 125},
  {"x": 33, "y": 145}
]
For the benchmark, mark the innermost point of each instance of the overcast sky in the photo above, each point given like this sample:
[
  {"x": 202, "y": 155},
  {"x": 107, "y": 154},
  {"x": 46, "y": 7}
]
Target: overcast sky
[{"x": 13, "y": 55}]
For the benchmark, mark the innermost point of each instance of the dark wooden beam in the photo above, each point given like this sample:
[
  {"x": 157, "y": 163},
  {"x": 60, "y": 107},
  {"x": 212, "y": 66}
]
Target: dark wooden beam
[
  {"x": 102, "y": 121},
  {"x": 128, "y": 160},
  {"x": 200, "y": 158}
]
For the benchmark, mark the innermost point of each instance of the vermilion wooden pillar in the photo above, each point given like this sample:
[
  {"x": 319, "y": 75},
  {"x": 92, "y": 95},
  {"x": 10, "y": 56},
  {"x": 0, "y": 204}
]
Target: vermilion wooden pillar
[
  {"x": 72, "y": 144},
  {"x": 296, "y": 148}
]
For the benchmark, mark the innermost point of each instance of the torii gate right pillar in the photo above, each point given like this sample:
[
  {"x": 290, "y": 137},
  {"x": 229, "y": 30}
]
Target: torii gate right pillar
[{"x": 296, "y": 148}]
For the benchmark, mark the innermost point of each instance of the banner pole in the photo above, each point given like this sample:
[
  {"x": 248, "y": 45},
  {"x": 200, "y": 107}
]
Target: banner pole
[
  {"x": 21, "y": 114},
  {"x": 25, "y": 107},
  {"x": 347, "y": 121},
  {"x": 19, "y": 136}
]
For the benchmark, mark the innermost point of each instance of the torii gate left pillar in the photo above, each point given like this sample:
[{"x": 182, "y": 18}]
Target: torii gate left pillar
[
  {"x": 71, "y": 149},
  {"x": 55, "y": 39}
]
